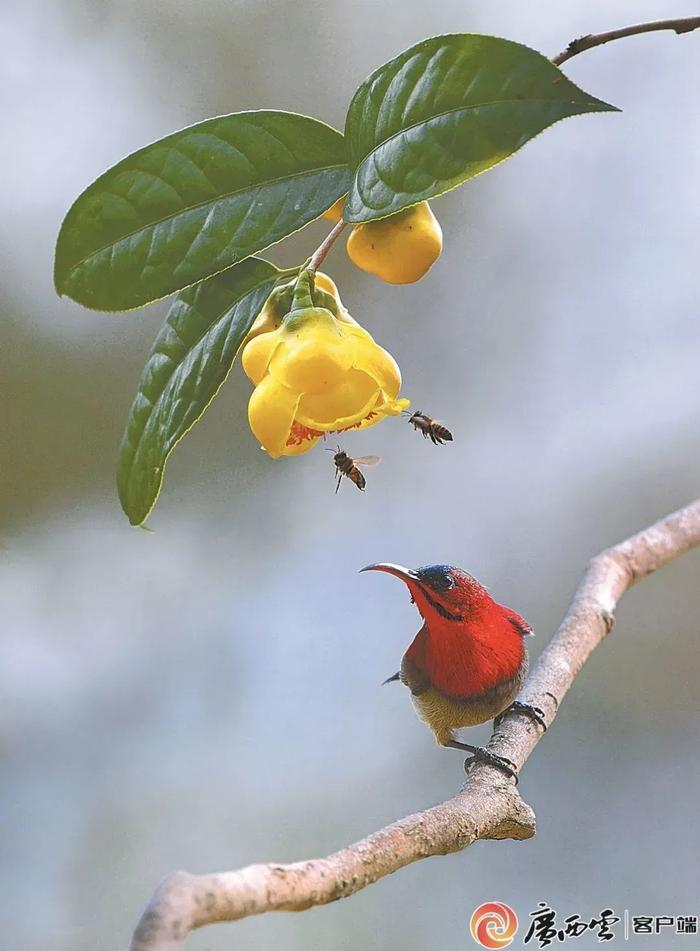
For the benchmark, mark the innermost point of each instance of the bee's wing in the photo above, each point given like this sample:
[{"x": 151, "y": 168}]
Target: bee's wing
[{"x": 367, "y": 460}]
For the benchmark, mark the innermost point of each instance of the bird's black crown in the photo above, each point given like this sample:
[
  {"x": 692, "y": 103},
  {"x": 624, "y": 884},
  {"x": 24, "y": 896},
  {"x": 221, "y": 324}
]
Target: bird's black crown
[{"x": 437, "y": 577}]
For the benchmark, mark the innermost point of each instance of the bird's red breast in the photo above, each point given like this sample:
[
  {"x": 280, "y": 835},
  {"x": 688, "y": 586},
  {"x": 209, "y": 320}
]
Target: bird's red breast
[
  {"x": 470, "y": 657},
  {"x": 469, "y": 643}
]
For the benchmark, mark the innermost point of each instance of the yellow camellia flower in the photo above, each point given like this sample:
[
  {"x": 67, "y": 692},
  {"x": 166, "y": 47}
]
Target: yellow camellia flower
[{"x": 317, "y": 373}]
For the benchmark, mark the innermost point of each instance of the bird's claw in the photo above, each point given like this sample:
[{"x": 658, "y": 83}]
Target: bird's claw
[
  {"x": 535, "y": 713},
  {"x": 484, "y": 757}
]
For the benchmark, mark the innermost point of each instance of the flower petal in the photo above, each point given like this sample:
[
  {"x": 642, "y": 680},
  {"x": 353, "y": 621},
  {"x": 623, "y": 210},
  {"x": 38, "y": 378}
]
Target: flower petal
[
  {"x": 327, "y": 284},
  {"x": 313, "y": 355},
  {"x": 271, "y": 412},
  {"x": 377, "y": 363},
  {"x": 257, "y": 354},
  {"x": 393, "y": 407},
  {"x": 339, "y": 406}
]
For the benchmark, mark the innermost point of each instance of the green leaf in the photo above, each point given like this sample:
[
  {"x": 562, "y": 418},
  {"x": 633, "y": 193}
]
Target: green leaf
[
  {"x": 190, "y": 360},
  {"x": 446, "y": 110},
  {"x": 196, "y": 202}
]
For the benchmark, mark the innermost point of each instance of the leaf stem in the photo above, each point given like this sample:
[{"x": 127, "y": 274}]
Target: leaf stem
[
  {"x": 591, "y": 40},
  {"x": 322, "y": 250}
]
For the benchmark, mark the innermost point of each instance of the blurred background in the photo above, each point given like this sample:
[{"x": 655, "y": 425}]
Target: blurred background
[{"x": 208, "y": 695}]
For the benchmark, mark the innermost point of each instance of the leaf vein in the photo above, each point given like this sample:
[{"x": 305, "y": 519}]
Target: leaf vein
[{"x": 112, "y": 245}]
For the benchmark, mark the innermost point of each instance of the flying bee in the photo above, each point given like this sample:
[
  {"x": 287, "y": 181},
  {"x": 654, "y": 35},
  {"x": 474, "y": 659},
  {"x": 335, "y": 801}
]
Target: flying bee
[
  {"x": 430, "y": 428},
  {"x": 345, "y": 465}
]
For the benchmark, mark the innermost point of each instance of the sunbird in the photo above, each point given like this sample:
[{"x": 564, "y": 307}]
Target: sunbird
[{"x": 468, "y": 662}]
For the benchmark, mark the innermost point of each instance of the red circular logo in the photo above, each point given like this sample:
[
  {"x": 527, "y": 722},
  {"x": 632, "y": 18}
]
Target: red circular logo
[{"x": 493, "y": 925}]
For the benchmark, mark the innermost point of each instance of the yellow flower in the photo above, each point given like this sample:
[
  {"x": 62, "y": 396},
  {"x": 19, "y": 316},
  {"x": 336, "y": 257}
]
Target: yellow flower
[{"x": 317, "y": 373}]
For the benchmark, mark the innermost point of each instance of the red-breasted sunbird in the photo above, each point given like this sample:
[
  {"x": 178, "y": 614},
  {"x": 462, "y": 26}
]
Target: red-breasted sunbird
[{"x": 468, "y": 662}]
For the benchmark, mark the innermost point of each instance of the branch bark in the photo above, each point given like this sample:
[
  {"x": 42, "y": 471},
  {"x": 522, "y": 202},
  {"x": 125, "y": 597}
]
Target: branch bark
[
  {"x": 588, "y": 42},
  {"x": 487, "y": 807}
]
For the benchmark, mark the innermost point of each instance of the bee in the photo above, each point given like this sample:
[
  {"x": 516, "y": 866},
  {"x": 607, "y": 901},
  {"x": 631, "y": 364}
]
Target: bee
[
  {"x": 345, "y": 465},
  {"x": 430, "y": 428}
]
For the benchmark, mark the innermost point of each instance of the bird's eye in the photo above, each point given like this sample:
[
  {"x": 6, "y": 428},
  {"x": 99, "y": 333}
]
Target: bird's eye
[{"x": 438, "y": 578}]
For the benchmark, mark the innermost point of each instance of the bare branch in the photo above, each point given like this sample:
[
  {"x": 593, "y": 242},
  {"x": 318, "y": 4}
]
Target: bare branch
[
  {"x": 588, "y": 42},
  {"x": 488, "y": 806}
]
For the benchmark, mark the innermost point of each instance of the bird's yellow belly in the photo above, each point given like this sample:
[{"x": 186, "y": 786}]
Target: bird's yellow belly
[{"x": 445, "y": 714}]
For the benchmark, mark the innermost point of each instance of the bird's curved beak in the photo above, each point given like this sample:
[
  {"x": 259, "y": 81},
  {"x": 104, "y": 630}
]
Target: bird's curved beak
[
  {"x": 425, "y": 600},
  {"x": 405, "y": 574}
]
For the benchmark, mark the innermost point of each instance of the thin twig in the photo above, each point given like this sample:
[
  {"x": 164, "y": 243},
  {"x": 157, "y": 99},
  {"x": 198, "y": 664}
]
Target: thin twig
[
  {"x": 588, "y": 42},
  {"x": 488, "y": 806},
  {"x": 322, "y": 250}
]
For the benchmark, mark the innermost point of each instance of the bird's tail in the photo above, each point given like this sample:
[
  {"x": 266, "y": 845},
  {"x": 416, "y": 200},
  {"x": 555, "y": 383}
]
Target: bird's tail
[{"x": 397, "y": 676}]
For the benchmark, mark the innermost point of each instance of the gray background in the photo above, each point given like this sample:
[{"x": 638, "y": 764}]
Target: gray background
[{"x": 208, "y": 695}]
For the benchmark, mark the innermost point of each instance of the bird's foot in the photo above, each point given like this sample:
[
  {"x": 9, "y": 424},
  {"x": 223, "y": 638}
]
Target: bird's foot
[
  {"x": 480, "y": 755},
  {"x": 484, "y": 757},
  {"x": 535, "y": 713}
]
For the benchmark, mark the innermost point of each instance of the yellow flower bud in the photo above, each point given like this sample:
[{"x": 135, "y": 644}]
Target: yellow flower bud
[
  {"x": 335, "y": 212},
  {"x": 399, "y": 249}
]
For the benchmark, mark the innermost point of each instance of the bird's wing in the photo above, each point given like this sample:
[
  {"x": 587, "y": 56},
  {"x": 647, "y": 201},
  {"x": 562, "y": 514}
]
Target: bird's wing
[
  {"x": 415, "y": 679},
  {"x": 519, "y": 623}
]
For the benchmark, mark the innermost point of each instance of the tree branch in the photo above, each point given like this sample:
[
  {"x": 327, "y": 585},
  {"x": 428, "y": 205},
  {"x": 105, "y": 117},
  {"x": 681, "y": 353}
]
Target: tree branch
[
  {"x": 588, "y": 42},
  {"x": 488, "y": 806},
  {"x": 319, "y": 255}
]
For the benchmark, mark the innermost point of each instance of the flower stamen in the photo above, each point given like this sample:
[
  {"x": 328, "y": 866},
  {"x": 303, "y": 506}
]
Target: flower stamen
[{"x": 300, "y": 434}]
